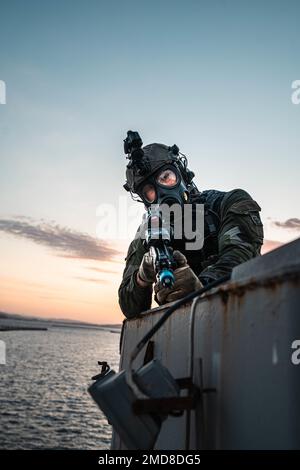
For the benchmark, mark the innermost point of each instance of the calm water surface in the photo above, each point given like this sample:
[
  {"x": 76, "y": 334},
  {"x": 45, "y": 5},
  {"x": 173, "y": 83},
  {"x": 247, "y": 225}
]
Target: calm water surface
[{"x": 43, "y": 390}]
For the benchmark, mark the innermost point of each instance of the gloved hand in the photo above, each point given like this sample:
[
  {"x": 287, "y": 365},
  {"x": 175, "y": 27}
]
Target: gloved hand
[
  {"x": 186, "y": 281},
  {"x": 146, "y": 273}
]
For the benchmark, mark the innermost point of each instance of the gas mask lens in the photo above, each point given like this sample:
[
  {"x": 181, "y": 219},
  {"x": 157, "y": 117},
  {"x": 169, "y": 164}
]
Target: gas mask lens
[
  {"x": 149, "y": 193},
  {"x": 167, "y": 178}
]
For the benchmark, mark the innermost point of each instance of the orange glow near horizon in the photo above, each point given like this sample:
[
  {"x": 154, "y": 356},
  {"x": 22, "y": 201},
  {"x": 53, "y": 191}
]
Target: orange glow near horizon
[{"x": 35, "y": 282}]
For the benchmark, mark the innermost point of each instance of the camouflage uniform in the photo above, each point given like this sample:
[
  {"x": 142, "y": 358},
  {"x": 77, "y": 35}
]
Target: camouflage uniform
[{"x": 233, "y": 234}]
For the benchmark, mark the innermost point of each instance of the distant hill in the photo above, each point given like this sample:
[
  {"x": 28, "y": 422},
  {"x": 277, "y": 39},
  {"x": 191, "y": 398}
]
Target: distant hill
[{"x": 16, "y": 321}]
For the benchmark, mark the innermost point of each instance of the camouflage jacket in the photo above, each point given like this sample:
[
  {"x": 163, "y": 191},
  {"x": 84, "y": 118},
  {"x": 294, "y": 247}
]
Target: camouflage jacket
[{"x": 233, "y": 233}]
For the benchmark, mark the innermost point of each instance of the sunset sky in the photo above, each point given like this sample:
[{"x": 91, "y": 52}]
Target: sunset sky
[{"x": 214, "y": 77}]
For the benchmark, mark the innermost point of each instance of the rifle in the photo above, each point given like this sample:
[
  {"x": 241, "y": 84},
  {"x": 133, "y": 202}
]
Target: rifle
[{"x": 158, "y": 238}]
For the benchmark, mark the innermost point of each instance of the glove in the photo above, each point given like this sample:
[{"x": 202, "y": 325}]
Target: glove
[
  {"x": 146, "y": 273},
  {"x": 186, "y": 281}
]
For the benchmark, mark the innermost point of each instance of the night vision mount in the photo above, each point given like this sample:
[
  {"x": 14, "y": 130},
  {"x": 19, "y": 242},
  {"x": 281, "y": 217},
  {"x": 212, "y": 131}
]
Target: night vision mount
[
  {"x": 132, "y": 143},
  {"x": 133, "y": 149}
]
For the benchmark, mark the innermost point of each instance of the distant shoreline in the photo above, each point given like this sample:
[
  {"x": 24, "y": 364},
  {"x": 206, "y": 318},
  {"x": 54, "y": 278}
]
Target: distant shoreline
[
  {"x": 15, "y": 322},
  {"x": 22, "y": 328}
]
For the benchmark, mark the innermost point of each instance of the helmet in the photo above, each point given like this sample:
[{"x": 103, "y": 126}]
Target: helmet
[{"x": 160, "y": 169}]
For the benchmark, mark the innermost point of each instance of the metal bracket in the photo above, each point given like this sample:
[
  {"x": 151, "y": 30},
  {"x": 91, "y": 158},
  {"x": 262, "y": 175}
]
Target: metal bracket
[{"x": 174, "y": 406}]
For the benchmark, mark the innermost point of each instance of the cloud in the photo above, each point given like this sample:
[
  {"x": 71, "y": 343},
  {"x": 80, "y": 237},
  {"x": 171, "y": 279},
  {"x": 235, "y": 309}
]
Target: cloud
[
  {"x": 292, "y": 224},
  {"x": 56, "y": 298},
  {"x": 91, "y": 279},
  {"x": 64, "y": 241},
  {"x": 102, "y": 270}
]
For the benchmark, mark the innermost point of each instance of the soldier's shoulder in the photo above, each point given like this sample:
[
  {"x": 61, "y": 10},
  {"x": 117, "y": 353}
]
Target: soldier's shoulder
[
  {"x": 222, "y": 201},
  {"x": 238, "y": 200},
  {"x": 211, "y": 198},
  {"x": 211, "y": 194}
]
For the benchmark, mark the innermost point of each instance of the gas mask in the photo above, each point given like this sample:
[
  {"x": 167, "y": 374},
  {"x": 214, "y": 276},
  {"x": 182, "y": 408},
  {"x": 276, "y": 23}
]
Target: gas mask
[{"x": 166, "y": 186}]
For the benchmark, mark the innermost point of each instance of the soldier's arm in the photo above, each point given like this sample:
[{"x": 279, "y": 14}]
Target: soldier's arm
[
  {"x": 133, "y": 298},
  {"x": 240, "y": 235}
]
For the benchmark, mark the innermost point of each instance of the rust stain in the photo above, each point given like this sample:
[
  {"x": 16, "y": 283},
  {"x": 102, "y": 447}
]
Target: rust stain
[
  {"x": 236, "y": 291},
  {"x": 224, "y": 294},
  {"x": 239, "y": 289},
  {"x": 228, "y": 293}
]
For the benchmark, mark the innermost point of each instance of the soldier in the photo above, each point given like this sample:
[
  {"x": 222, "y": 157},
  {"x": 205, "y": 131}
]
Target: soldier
[{"x": 233, "y": 231}]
